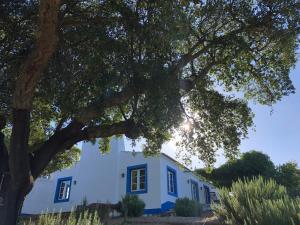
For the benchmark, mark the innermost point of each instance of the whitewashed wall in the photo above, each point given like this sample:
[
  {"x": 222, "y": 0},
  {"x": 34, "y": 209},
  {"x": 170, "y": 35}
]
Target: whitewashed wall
[
  {"x": 152, "y": 197},
  {"x": 181, "y": 180},
  {"x": 96, "y": 177},
  {"x": 184, "y": 178},
  {"x": 103, "y": 179}
]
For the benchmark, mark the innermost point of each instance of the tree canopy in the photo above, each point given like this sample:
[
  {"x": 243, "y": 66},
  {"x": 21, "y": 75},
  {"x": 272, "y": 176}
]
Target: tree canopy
[
  {"x": 288, "y": 175},
  {"x": 255, "y": 164},
  {"x": 250, "y": 164},
  {"x": 141, "y": 68},
  {"x": 79, "y": 70}
]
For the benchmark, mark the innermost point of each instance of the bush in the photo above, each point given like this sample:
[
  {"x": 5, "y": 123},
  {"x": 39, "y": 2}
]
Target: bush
[
  {"x": 58, "y": 219},
  {"x": 102, "y": 210},
  {"x": 187, "y": 208},
  {"x": 132, "y": 206},
  {"x": 258, "y": 202}
]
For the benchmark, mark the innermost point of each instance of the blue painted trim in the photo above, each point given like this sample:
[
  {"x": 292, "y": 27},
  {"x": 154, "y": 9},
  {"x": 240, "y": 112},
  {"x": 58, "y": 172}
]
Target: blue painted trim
[
  {"x": 197, "y": 189},
  {"x": 152, "y": 211},
  {"x": 164, "y": 208},
  {"x": 56, "y": 200},
  {"x": 27, "y": 214},
  {"x": 207, "y": 197},
  {"x": 128, "y": 182},
  {"x": 167, "y": 206},
  {"x": 175, "y": 194}
]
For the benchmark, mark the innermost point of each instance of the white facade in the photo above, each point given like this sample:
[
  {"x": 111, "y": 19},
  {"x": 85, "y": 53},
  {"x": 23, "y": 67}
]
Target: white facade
[{"x": 107, "y": 178}]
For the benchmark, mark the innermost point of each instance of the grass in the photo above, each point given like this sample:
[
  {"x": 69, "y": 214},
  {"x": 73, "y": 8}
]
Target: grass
[{"x": 72, "y": 219}]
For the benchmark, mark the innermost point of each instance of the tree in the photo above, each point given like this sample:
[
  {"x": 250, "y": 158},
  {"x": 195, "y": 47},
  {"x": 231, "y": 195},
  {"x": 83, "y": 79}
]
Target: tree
[
  {"x": 61, "y": 160},
  {"x": 94, "y": 69},
  {"x": 253, "y": 164},
  {"x": 250, "y": 164},
  {"x": 288, "y": 175}
]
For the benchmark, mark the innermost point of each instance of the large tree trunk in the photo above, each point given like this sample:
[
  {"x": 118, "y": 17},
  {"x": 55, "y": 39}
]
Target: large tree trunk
[
  {"x": 11, "y": 200},
  {"x": 11, "y": 193}
]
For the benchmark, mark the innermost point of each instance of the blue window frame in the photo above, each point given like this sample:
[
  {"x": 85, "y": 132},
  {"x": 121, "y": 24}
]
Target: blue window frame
[
  {"x": 195, "y": 190},
  {"x": 137, "y": 179},
  {"x": 63, "y": 190},
  {"x": 207, "y": 194},
  {"x": 172, "y": 182}
]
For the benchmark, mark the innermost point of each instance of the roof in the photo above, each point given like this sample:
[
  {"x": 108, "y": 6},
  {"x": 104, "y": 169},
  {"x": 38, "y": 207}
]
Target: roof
[
  {"x": 180, "y": 164},
  {"x": 169, "y": 157}
]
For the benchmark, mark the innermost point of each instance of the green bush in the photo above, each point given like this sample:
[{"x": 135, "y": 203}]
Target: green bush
[
  {"x": 132, "y": 206},
  {"x": 58, "y": 219},
  {"x": 257, "y": 202},
  {"x": 102, "y": 210},
  {"x": 187, "y": 208}
]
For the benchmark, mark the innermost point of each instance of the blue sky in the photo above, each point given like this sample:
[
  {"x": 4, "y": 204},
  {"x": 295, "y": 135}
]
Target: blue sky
[
  {"x": 278, "y": 133},
  {"x": 276, "y": 130}
]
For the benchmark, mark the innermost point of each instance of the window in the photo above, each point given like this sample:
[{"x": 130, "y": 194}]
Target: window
[
  {"x": 206, "y": 194},
  {"x": 171, "y": 181},
  {"x": 213, "y": 197},
  {"x": 195, "y": 190},
  {"x": 63, "y": 189},
  {"x": 137, "y": 179}
]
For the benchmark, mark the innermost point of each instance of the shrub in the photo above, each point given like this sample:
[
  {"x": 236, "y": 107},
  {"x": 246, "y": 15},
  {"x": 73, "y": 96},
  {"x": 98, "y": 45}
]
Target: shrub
[
  {"x": 258, "y": 202},
  {"x": 102, "y": 210},
  {"x": 186, "y": 207},
  {"x": 132, "y": 206},
  {"x": 57, "y": 219}
]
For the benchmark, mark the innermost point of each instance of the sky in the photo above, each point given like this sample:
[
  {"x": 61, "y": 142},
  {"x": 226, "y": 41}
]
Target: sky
[
  {"x": 276, "y": 130},
  {"x": 277, "y": 133}
]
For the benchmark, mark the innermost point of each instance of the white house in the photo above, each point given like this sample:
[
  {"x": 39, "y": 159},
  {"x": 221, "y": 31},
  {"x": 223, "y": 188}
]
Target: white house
[{"x": 99, "y": 178}]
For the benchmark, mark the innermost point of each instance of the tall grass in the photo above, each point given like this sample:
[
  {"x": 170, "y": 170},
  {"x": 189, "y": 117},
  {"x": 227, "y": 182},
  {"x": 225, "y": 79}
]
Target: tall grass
[
  {"x": 83, "y": 218},
  {"x": 257, "y": 202}
]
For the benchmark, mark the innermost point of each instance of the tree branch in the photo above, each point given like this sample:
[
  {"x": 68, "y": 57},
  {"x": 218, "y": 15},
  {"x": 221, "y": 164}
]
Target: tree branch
[
  {"x": 60, "y": 124},
  {"x": 72, "y": 134},
  {"x": 122, "y": 97},
  {"x": 95, "y": 109},
  {"x": 33, "y": 66},
  {"x": 58, "y": 142},
  {"x": 123, "y": 127},
  {"x": 29, "y": 75}
]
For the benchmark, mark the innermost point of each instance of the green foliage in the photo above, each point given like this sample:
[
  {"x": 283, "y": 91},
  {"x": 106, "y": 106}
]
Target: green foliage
[
  {"x": 104, "y": 145},
  {"x": 187, "y": 207},
  {"x": 85, "y": 218},
  {"x": 288, "y": 175},
  {"x": 63, "y": 160},
  {"x": 101, "y": 210},
  {"x": 143, "y": 51},
  {"x": 132, "y": 206},
  {"x": 250, "y": 164},
  {"x": 259, "y": 202}
]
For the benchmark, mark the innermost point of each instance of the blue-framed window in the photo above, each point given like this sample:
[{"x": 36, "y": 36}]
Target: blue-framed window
[
  {"x": 195, "y": 190},
  {"x": 207, "y": 194},
  {"x": 63, "y": 189},
  {"x": 137, "y": 179},
  {"x": 171, "y": 181}
]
